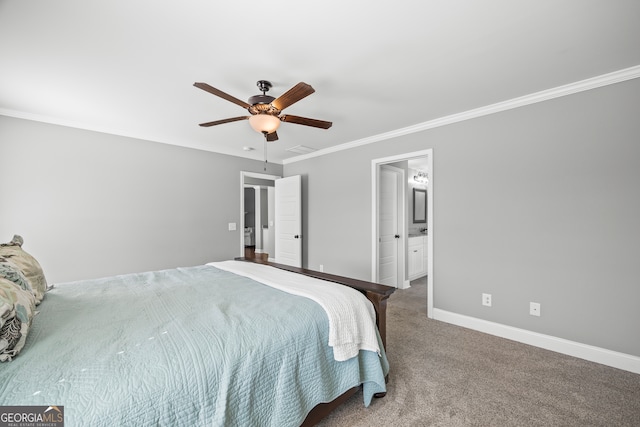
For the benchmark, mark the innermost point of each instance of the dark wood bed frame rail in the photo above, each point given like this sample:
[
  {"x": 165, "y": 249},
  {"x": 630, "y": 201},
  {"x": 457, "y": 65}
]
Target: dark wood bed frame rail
[{"x": 376, "y": 293}]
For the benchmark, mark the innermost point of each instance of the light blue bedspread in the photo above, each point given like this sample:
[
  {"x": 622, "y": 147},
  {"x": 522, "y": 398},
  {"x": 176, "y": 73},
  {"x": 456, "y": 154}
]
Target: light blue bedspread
[{"x": 193, "y": 346}]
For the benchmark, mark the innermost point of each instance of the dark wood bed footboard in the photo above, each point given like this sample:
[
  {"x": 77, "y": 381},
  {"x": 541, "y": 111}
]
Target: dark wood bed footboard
[{"x": 376, "y": 293}]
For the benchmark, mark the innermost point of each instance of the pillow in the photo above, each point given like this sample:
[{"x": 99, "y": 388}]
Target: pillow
[
  {"x": 29, "y": 266},
  {"x": 17, "y": 308},
  {"x": 11, "y": 272}
]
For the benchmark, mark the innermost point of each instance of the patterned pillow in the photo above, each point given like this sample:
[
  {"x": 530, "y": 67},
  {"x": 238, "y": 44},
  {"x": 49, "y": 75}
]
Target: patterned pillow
[
  {"x": 29, "y": 266},
  {"x": 11, "y": 272},
  {"x": 17, "y": 308}
]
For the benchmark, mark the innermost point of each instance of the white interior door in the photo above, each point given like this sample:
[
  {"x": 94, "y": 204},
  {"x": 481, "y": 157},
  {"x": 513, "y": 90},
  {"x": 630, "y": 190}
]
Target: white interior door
[
  {"x": 389, "y": 235},
  {"x": 288, "y": 205}
]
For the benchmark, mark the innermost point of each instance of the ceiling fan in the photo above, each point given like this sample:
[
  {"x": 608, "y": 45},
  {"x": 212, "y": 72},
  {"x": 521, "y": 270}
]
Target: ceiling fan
[{"x": 265, "y": 110}]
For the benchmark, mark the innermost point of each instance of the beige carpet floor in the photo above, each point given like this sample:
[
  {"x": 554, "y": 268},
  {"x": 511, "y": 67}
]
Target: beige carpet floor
[{"x": 445, "y": 375}]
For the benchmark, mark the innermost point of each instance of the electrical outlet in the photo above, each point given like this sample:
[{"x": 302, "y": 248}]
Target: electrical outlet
[
  {"x": 534, "y": 309},
  {"x": 321, "y": 268},
  {"x": 486, "y": 300}
]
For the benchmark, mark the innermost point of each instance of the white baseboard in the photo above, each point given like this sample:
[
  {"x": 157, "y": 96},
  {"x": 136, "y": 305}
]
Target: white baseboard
[{"x": 603, "y": 356}]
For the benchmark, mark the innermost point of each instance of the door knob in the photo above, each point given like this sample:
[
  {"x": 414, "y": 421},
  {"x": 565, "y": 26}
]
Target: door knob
[
  {"x": 296, "y": 236},
  {"x": 397, "y": 236}
]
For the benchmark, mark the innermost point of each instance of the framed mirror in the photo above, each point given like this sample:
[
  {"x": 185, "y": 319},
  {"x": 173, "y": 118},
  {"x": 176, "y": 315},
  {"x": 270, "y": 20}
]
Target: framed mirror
[{"x": 419, "y": 206}]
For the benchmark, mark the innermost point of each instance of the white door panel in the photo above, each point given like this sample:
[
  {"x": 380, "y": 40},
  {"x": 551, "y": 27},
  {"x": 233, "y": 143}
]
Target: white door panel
[
  {"x": 288, "y": 206},
  {"x": 388, "y": 223}
]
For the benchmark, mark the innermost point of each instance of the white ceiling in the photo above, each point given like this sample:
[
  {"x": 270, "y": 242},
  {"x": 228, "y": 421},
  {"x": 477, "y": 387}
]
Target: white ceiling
[{"x": 127, "y": 67}]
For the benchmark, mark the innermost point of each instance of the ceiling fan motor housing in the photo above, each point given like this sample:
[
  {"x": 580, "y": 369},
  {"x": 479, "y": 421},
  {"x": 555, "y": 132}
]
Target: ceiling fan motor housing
[
  {"x": 261, "y": 99},
  {"x": 260, "y": 104}
]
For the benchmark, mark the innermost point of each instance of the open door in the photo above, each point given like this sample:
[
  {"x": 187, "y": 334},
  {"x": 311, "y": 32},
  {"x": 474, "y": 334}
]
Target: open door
[
  {"x": 288, "y": 245},
  {"x": 390, "y": 269}
]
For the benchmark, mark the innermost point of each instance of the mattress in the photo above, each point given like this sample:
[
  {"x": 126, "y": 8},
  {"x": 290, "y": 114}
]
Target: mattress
[{"x": 190, "y": 346}]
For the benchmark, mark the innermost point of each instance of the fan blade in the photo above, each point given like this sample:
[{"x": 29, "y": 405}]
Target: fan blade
[
  {"x": 219, "y": 122},
  {"x": 293, "y": 95},
  {"x": 273, "y": 136},
  {"x": 305, "y": 121},
  {"x": 221, "y": 94}
]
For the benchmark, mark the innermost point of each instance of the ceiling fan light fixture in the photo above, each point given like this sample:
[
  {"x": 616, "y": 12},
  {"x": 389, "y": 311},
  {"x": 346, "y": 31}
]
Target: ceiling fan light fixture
[
  {"x": 265, "y": 110},
  {"x": 264, "y": 123}
]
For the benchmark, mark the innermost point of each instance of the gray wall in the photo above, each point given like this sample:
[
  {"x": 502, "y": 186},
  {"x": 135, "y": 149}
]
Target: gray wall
[
  {"x": 91, "y": 205},
  {"x": 540, "y": 203}
]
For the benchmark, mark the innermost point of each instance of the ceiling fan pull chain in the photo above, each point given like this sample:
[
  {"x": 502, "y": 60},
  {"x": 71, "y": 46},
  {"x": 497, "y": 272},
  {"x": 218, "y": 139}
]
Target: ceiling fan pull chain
[{"x": 265, "y": 151}]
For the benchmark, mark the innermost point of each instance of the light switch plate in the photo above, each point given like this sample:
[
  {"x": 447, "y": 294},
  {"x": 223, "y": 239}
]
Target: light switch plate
[{"x": 232, "y": 226}]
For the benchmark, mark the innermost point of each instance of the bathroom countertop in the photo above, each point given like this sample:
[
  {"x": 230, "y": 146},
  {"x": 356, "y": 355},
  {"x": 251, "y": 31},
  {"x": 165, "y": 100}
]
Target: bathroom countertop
[{"x": 417, "y": 234}]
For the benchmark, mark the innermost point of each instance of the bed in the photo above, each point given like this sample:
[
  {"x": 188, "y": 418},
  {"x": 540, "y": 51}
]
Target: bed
[{"x": 203, "y": 345}]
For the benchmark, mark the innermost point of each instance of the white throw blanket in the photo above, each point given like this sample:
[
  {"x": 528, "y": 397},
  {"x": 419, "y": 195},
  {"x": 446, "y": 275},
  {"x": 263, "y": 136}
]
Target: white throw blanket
[{"x": 352, "y": 318}]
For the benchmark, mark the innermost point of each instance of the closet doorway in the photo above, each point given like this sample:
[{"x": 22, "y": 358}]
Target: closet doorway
[{"x": 412, "y": 163}]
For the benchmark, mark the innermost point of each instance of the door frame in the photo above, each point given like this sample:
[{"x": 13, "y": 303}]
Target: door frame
[
  {"x": 375, "y": 165},
  {"x": 243, "y": 175}
]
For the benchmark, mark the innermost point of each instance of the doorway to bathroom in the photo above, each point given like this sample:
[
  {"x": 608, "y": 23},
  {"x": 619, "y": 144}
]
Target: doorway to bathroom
[{"x": 414, "y": 235}]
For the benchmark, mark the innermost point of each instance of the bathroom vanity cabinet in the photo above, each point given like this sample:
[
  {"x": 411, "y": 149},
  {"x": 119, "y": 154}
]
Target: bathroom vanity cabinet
[{"x": 417, "y": 256}]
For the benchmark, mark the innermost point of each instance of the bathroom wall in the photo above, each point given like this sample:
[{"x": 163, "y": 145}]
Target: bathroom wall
[{"x": 413, "y": 228}]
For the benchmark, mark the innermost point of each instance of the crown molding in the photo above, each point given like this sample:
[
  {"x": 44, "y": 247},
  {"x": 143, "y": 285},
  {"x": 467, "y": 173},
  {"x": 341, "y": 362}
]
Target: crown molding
[{"x": 533, "y": 98}]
